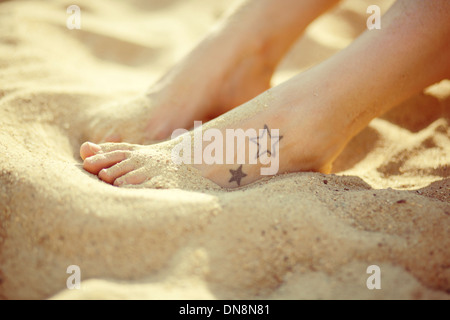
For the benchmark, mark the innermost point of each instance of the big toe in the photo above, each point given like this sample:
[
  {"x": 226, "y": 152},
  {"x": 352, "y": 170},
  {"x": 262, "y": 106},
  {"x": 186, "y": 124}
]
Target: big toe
[{"x": 89, "y": 149}]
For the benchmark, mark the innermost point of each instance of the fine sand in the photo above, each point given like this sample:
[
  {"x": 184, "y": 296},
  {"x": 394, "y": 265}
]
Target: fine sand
[{"x": 296, "y": 236}]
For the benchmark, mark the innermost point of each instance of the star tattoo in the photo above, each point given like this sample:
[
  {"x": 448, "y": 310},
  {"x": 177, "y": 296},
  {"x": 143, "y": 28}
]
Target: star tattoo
[
  {"x": 274, "y": 140},
  {"x": 237, "y": 175}
]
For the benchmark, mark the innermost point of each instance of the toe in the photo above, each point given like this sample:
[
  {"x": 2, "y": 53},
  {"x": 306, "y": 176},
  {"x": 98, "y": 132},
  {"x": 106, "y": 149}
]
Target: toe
[
  {"x": 134, "y": 177},
  {"x": 109, "y": 147},
  {"x": 89, "y": 149},
  {"x": 111, "y": 174},
  {"x": 101, "y": 161}
]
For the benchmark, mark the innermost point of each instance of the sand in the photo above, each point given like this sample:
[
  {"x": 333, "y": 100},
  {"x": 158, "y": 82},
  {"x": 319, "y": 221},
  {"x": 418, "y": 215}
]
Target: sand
[{"x": 296, "y": 236}]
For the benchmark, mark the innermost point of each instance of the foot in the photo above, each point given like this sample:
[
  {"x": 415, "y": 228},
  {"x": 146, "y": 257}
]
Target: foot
[
  {"x": 316, "y": 112},
  {"x": 305, "y": 140},
  {"x": 209, "y": 82}
]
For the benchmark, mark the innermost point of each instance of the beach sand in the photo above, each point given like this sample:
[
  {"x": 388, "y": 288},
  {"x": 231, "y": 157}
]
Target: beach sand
[{"x": 295, "y": 236}]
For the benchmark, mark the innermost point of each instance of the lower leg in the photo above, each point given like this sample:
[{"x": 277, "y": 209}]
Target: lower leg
[{"x": 231, "y": 65}]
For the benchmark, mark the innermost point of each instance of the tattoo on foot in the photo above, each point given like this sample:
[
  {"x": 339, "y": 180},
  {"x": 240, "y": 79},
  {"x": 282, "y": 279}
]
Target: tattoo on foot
[
  {"x": 274, "y": 140},
  {"x": 237, "y": 175}
]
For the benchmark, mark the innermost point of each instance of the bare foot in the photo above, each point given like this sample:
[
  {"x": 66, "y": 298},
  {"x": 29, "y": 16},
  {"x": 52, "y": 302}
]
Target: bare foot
[
  {"x": 316, "y": 113},
  {"x": 304, "y": 140}
]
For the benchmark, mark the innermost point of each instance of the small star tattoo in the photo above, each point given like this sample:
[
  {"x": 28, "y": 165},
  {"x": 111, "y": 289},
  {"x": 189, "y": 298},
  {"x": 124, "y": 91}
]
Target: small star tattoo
[
  {"x": 276, "y": 140},
  {"x": 237, "y": 175}
]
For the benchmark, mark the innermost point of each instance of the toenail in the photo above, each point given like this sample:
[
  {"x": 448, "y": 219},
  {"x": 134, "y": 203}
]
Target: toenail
[{"x": 94, "y": 147}]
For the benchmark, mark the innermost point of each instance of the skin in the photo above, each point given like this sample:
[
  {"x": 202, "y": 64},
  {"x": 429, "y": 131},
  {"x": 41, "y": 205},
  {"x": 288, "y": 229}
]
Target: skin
[
  {"x": 199, "y": 87},
  {"x": 318, "y": 111}
]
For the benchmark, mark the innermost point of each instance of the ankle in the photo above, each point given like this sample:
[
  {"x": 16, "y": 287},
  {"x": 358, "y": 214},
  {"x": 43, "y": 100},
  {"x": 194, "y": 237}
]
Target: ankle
[{"x": 314, "y": 132}]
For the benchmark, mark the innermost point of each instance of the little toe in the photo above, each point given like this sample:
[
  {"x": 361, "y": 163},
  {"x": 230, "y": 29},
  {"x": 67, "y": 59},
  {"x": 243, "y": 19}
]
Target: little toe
[
  {"x": 109, "y": 175},
  {"x": 101, "y": 161}
]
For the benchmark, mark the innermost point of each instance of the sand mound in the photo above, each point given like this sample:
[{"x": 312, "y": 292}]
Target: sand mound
[{"x": 295, "y": 236}]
